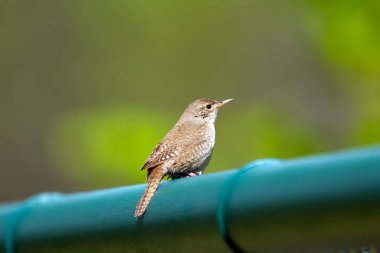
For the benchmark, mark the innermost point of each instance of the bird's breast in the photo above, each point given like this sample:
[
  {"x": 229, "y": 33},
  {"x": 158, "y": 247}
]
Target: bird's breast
[{"x": 199, "y": 150}]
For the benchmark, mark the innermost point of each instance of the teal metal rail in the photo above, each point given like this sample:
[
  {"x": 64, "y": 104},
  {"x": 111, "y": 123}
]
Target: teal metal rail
[{"x": 324, "y": 203}]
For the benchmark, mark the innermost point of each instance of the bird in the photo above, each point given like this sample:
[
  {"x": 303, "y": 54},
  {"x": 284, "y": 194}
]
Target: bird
[{"x": 185, "y": 151}]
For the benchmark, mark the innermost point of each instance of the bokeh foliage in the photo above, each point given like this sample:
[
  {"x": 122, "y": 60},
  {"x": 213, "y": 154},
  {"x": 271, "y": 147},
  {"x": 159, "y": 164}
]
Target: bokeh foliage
[{"x": 90, "y": 87}]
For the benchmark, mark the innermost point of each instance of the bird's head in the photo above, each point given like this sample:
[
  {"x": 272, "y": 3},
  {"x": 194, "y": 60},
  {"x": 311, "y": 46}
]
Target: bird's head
[{"x": 203, "y": 110}]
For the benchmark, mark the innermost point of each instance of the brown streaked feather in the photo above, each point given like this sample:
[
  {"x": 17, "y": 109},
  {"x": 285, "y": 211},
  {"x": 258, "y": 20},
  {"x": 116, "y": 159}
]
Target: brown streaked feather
[
  {"x": 151, "y": 162},
  {"x": 160, "y": 154},
  {"x": 169, "y": 147},
  {"x": 154, "y": 178}
]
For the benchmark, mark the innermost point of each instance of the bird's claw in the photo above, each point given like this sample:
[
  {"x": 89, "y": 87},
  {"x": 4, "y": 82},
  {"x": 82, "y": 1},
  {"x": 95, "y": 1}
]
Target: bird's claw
[{"x": 194, "y": 174}]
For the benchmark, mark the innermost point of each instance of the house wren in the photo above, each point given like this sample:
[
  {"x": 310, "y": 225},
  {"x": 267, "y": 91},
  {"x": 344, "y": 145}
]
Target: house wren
[{"x": 185, "y": 151}]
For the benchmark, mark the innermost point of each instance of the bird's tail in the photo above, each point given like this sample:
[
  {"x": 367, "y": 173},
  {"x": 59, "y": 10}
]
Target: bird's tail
[{"x": 154, "y": 179}]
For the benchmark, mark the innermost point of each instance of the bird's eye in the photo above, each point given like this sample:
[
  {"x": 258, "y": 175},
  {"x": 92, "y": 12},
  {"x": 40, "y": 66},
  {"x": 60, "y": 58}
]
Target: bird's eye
[{"x": 208, "y": 106}]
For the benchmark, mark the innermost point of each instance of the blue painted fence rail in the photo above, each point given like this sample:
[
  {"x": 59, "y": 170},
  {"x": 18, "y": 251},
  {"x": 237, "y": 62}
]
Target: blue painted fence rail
[{"x": 321, "y": 203}]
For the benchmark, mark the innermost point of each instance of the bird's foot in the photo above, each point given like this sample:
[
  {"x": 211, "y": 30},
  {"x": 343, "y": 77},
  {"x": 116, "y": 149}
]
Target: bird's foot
[
  {"x": 194, "y": 174},
  {"x": 184, "y": 175},
  {"x": 191, "y": 174}
]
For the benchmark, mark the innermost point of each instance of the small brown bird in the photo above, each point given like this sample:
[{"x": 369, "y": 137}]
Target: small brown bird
[{"x": 185, "y": 151}]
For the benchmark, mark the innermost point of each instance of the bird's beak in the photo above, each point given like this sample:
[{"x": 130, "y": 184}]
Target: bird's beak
[{"x": 223, "y": 102}]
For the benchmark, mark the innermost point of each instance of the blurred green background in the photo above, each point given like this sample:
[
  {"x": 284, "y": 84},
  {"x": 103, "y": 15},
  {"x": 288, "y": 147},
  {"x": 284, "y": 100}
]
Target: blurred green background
[{"x": 88, "y": 88}]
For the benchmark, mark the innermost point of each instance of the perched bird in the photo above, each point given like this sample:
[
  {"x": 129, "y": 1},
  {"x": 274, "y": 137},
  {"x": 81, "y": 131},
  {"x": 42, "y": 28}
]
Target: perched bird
[{"x": 185, "y": 151}]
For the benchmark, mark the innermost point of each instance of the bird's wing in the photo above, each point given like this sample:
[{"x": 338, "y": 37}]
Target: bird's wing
[{"x": 159, "y": 155}]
